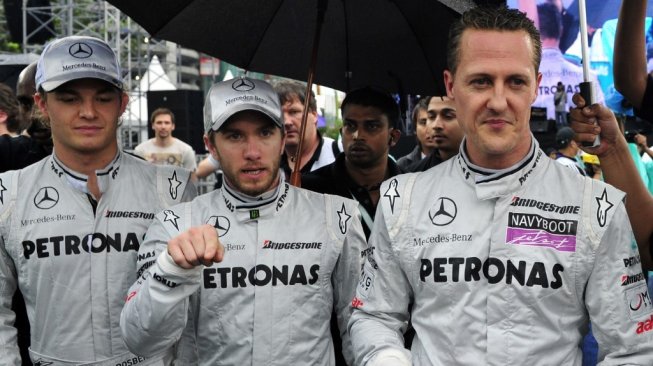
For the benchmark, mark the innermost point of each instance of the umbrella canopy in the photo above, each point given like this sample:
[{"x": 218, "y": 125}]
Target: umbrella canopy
[{"x": 398, "y": 45}]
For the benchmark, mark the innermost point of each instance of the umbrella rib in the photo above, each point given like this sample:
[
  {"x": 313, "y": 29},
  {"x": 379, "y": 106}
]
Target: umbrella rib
[
  {"x": 260, "y": 40},
  {"x": 170, "y": 19}
]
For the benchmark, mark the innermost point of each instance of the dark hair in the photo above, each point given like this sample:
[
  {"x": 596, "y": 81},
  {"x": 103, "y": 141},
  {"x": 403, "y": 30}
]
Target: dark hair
[
  {"x": 492, "y": 18},
  {"x": 421, "y": 105},
  {"x": 563, "y": 138},
  {"x": 159, "y": 111},
  {"x": 9, "y": 105},
  {"x": 550, "y": 20},
  {"x": 291, "y": 90},
  {"x": 371, "y": 97}
]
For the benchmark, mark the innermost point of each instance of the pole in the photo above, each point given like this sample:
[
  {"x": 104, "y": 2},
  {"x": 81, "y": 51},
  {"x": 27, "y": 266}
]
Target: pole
[
  {"x": 586, "y": 87},
  {"x": 295, "y": 177}
]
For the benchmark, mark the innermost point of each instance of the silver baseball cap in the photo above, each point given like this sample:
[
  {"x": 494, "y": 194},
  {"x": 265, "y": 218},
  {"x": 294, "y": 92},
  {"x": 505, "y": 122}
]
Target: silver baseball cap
[
  {"x": 229, "y": 97},
  {"x": 76, "y": 57}
]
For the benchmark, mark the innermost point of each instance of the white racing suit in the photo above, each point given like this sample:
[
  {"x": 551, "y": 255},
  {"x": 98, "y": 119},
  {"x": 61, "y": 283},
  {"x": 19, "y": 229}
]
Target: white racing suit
[
  {"x": 74, "y": 263},
  {"x": 502, "y": 268},
  {"x": 289, "y": 261}
]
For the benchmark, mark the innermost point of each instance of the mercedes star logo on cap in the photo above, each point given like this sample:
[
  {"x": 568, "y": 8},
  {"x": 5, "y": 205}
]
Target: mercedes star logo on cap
[
  {"x": 46, "y": 198},
  {"x": 80, "y": 50},
  {"x": 242, "y": 85},
  {"x": 443, "y": 211},
  {"x": 221, "y": 223}
]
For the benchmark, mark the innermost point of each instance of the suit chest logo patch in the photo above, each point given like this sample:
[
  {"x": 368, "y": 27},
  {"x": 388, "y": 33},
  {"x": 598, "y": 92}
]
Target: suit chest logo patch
[{"x": 539, "y": 231}]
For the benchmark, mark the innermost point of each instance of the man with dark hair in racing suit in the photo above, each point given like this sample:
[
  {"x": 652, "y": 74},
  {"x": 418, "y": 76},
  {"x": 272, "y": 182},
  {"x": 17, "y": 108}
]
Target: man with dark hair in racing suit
[
  {"x": 502, "y": 255},
  {"x": 262, "y": 293},
  {"x": 71, "y": 224}
]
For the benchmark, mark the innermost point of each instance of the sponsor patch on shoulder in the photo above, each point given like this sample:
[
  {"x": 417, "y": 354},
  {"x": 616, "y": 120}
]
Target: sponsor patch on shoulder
[
  {"x": 174, "y": 184},
  {"x": 627, "y": 279},
  {"x": 391, "y": 194},
  {"x": 644, "y": 326},
  {"x": 343, "y": 219},
  {"x": 638, "y": 302},
  {"x": 603, "y": 207}
]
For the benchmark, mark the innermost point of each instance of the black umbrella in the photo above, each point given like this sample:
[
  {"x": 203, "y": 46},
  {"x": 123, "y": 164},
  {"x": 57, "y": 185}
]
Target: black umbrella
[{"x": 398, "y": 45}]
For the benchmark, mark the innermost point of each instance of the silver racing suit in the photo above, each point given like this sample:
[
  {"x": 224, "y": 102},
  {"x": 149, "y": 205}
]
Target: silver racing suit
[
  {"x": 501, "y": 268},
  {"x": 73, "y": 258},
  {"x": 289, "y": 261}
]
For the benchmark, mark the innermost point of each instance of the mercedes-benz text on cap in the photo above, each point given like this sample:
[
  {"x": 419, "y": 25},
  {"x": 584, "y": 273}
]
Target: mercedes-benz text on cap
[
  {"x": 77, "y": 57},
  {"x": 230, "y": 97}
]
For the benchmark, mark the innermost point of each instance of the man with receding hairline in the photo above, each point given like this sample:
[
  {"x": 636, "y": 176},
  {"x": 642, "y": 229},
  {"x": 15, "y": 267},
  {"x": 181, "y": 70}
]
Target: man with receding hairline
[{"x": 499, "y": 255}]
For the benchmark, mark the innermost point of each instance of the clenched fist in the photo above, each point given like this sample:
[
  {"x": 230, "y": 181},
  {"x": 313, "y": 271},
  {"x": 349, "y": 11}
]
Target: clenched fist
[{"x": 198, "y": 245}]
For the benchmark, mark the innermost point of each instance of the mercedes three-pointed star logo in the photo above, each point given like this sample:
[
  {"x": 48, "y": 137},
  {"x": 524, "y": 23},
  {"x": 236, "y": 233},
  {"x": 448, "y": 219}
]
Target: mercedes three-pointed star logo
[
  {"x": 80, "y": 50},
  {"x": 443, "y": 212},
  {"x": 46, "y": 198},
  {"x": 221, "y": 223},
  {"x": 242, "y": 85}
]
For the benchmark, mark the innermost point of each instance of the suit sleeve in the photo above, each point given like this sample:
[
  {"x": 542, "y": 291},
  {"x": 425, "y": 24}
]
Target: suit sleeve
[
  {"x": 380, "y": 314},
  {"x": 617, "y": 299},
  {"x": 9, "y": 353},
  {"x": 156, "y": 310},
  {"x": 8, "y": 339},
  {"x": 345, "y": 278}
]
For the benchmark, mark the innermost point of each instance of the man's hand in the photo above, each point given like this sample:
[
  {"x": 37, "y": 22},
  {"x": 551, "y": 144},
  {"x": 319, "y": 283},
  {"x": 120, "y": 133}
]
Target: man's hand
[
  {"x": 590, "y": 121},
  {"x": 196, "y": 246}
]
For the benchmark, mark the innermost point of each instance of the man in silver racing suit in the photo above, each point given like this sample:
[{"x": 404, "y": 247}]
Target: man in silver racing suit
[
  {"x": 263, "y": 293},
  {"x": 71, "y": 225},
  {"x": 502, "y": 255}
]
